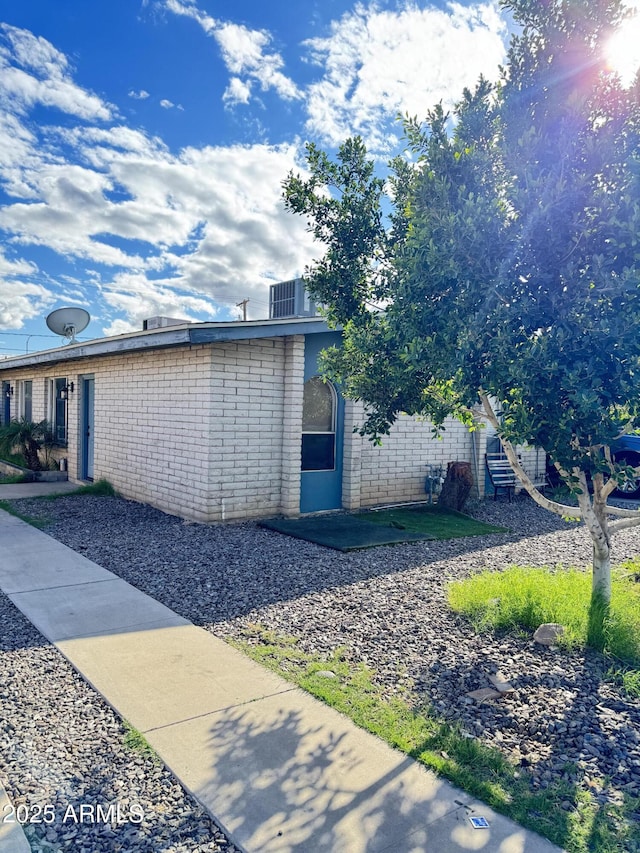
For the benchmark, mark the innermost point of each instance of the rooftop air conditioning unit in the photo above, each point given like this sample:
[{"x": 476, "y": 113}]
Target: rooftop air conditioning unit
[{"x": 290, "y": 299}]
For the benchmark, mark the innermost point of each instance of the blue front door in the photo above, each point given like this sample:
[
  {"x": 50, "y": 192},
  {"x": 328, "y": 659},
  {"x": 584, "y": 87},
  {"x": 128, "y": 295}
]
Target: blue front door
[
  {"x": 322, "y": 434},
  {"x": 88, "y": 397}
]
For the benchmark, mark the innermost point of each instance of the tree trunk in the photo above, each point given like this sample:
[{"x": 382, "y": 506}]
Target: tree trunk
[
  {"x": 457, "y": 486},
  {"x": 31, "y": 455},
  {"x": 600, "y": 604},
  {"x": 601, "y": 580},
  {"x": 597, "y": 522}
]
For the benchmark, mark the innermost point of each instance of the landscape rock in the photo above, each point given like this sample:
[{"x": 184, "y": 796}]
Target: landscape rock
[
  {"x": 485, "y": 694},
  {"x": 501, "y": 684},
  {"x": 547, "y": 634}
]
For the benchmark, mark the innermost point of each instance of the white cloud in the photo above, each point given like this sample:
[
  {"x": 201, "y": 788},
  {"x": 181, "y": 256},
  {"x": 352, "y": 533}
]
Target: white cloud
[
  {"x": 166, "y": 104},
  {"x": 242, "y": 49},
  {"x": 157, "y": 231},
  {"x": 100, "y": 145},
  {"x": 374, "y": 63},
  {"x": 237, "y": 92},
  {"x": 18, "y": 154},
  {"x": 245, "y": 53},
  {"x": 20, "y": 299},
  {"x": 189, "y": 9},
  {"x": 378, "y": 63},
  {"x": 139, "y": 298},
  {"x": 11, "y": 269},
  {"x": 142, "y": 95},
  {"x": 179, "y": 231},
  {"x": 34, "y": 73}
]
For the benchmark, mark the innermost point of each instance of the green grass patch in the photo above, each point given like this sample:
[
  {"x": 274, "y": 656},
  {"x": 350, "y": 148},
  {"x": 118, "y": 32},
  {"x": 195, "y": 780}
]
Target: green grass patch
[
  {"x": 40, "y": 523},
  {"x": 432, "y": 521},
  {"x": 350, "y": 532},
  {"x": 136, "y": 742},
  {"x": 627, "y": 678},
  {"x": 15, "y": 459},
  {"x": 523, "y": 598},
  {"x": 481, "y": 771},
  {"x": 101, "y": 489}
]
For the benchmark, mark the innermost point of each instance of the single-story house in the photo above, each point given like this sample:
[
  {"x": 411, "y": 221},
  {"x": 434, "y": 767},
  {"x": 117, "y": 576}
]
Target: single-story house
[{"x": 221, "y": 421}]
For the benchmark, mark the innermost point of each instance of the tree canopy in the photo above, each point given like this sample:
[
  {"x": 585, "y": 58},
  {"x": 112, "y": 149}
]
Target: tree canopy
[{"x": 508, "y": 268}]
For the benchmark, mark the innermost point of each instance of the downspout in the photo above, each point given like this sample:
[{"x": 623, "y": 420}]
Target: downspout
[{"x": 476, "y": 462}]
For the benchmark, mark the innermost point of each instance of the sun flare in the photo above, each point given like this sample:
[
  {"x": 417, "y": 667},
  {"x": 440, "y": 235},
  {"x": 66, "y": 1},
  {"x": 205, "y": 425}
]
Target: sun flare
[{"x": 623, "y": 48}]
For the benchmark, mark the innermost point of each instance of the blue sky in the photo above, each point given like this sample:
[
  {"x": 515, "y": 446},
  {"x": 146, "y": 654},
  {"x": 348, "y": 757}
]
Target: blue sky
[{"x": 143, "y": 143}]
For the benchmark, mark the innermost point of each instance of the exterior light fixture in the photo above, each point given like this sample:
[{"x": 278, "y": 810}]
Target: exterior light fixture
[
  {"x": 9, "y": 391},
  {"x": 68, "y": 389}
]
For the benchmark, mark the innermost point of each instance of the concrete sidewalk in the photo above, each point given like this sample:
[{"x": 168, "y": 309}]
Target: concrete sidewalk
[
  {"x": 15, "y": 491},
  {"x": 277, "y": 769}
]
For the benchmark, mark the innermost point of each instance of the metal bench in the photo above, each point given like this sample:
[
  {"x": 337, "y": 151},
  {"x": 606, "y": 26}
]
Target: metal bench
[{"x": 501, "y": 474}]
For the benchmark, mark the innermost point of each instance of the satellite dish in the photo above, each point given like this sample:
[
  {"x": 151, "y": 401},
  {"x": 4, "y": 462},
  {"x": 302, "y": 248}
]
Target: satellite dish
[{"x": 68, "y": 321}]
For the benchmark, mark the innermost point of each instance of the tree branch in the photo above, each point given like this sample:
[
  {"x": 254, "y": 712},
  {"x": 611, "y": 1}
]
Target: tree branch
[
  {"x": 623, "y": 513},
  {"x": 559, "y": 509},
  {"x": 609, "y": 487},
  {"x": 623, "y": 523}
]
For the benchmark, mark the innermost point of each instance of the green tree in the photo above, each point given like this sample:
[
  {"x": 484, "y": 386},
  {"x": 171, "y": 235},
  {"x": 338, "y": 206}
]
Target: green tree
[{"x": 509, "y": 272}]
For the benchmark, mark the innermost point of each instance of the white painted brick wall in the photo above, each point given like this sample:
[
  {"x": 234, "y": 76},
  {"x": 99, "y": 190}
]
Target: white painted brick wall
[
  {"x": 245, "y": 431},
  {"x": 395, "y": 472},
  {"x": 212, "y": 432},
  {"x": 194, "y": 431}
]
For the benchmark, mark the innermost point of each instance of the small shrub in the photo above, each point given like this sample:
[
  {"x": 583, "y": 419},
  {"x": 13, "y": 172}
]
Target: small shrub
[
  {"x": 631, "y": 682},
  {"x": 101, "y": 488}
]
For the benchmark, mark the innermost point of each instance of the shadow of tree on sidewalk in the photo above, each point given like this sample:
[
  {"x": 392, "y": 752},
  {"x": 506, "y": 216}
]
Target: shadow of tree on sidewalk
[{"x": 281, "y": 780}]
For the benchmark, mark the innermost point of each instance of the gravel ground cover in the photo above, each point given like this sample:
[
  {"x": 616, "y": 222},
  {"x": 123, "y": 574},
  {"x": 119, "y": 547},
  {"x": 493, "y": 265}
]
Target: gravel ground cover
[
  {"x": 63, "y": 755},
  {"x": 388, "y": 607}
]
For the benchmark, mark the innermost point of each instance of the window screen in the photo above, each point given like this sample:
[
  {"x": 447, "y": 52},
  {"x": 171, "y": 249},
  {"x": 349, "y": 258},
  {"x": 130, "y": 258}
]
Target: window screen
[{"x": 318, "y": 426}]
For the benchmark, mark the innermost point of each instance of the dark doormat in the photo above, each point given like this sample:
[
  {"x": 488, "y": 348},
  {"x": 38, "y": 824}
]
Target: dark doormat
[
  {"x": 342, "y": 532},
  {"x": 346, "y": 532}
]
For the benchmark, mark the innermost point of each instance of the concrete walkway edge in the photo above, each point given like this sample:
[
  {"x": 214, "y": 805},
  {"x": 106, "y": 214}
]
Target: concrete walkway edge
[{"x": 12, "y": 837}]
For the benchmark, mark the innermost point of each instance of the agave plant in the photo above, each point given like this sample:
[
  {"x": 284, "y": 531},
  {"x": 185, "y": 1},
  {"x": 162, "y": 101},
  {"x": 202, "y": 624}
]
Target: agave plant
[{"x": 25, "y": 437}]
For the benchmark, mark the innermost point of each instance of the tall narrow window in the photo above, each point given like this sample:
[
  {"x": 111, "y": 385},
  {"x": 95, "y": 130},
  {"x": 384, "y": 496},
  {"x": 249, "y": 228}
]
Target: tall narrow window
[
  {"x": 27, "y": 400},
  {"x": 318, "y": 426},
  {"x": 5, "y": 408}
]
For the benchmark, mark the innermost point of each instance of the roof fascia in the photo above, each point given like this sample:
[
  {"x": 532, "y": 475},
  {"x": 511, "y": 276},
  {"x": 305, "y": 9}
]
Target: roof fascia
[
  {"x": 169, "y": 337},
  {"x": 242, "y": 331}
]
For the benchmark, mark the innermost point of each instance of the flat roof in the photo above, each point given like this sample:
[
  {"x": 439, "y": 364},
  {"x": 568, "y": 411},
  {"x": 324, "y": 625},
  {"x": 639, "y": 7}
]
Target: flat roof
[{"x": 170, "y": 336}]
